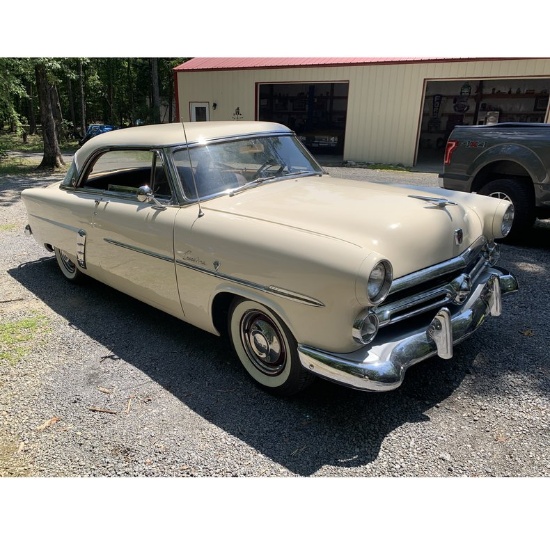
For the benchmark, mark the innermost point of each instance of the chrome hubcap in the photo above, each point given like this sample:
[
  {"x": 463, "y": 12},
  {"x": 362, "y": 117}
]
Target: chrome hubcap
[
  {"x": 263, "y": 343},
  {"x": 67, "y": 263}
]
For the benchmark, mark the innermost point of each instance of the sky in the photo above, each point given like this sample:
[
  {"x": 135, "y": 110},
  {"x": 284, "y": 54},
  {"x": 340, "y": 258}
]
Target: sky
[{"x": 284, "y": 28}]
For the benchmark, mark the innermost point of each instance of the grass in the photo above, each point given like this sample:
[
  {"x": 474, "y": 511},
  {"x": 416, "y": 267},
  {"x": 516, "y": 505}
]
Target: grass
[
  {"x": 7, "y": 226},
  {"x": 18, "y": 165},
  {"x": 16, "y": 336},
  {"x": 14, "y": 142},
  {"x": 23, "y": 165}
]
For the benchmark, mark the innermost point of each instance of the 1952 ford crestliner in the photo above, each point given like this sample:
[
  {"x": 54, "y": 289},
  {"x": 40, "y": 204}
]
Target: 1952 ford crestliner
[{"x": 235, "y": 228}]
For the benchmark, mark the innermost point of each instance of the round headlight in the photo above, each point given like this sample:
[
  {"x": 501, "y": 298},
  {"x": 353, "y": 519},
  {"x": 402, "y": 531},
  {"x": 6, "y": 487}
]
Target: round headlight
[
  {"x": 507, "y": 221},
  {"x": 365, "y": 327},
  {"x": 379, "y": 282}
]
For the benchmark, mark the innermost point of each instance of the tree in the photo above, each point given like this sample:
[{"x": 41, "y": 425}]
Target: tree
[
  {"x": 156, "y": 90},
  {"x": 12, "y": 90},
  {"x": 47, "y": 94}
]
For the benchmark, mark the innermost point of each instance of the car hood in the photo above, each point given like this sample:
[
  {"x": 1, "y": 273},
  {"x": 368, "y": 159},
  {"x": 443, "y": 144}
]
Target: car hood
[{"x": 412, "y": 233}]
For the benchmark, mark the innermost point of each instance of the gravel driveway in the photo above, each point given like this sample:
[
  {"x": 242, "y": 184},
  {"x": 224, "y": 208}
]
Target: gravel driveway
[{"x": 108, "y": 386}]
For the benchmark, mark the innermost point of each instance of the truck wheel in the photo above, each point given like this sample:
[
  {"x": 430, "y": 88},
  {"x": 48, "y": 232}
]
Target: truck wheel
[
  {"x": 520, "y": 196},
  {"x": 266, "y": 348}
]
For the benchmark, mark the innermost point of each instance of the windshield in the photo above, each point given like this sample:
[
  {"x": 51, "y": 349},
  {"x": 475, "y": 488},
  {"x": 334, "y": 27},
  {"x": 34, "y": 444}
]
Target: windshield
[{"x": 225, "y": 166}]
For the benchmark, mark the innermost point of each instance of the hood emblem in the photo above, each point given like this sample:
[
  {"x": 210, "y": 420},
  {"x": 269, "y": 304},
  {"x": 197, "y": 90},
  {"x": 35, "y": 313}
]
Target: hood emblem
[
  {"x": 439, "y": 202},
  {"x": 459, "y": 236}
]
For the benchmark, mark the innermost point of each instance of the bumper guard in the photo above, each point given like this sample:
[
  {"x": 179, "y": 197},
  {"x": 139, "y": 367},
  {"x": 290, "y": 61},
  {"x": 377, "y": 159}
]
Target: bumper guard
[{"x": 381, "y": 365}]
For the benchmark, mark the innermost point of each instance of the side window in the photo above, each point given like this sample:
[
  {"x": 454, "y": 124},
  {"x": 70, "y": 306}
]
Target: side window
[
  {"x": 161, "y": 185},
  {"x": 71, "y": 176},
  {"x": 121, "y": 171}
]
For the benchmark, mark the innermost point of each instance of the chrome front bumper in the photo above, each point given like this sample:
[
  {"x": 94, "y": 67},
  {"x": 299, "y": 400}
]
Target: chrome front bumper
[{"x": 381, "y": 365}]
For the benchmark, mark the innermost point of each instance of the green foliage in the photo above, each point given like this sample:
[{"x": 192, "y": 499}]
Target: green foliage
[
  {"x": 15, "y": 72},
  {"x": 110, "y": 90}
]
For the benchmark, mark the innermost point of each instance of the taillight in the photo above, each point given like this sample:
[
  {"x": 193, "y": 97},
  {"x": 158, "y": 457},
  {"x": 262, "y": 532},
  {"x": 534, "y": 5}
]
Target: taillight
[{"x": 449, "y": 149}]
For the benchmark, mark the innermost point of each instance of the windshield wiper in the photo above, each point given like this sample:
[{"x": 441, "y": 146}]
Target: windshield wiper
[
  {"x": 255, "y": 182},
  {"x": 261, "y": 179}
]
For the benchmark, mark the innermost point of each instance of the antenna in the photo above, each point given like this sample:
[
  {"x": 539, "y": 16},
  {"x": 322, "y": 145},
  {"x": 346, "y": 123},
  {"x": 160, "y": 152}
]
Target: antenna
[{"x": 201, "y": 213}]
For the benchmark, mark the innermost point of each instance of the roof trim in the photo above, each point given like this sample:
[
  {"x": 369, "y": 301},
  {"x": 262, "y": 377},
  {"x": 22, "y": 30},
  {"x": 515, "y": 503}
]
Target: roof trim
[{"x": 210, "y": 64}]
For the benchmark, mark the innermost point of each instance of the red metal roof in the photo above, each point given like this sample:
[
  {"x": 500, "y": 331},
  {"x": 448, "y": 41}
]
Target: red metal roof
[{"x": 206, "y": 64}]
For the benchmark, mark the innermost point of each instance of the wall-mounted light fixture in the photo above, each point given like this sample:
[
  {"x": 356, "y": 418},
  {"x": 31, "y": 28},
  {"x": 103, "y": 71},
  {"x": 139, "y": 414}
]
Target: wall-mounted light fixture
[{"x": 214, "y": 106}]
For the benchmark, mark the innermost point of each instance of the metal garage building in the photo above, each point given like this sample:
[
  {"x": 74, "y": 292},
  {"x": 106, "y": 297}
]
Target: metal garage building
[{"x": 377, "y": 110}]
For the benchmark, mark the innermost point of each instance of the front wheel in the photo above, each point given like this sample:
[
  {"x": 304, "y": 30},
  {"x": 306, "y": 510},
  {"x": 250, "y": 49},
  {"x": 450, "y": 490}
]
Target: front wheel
[
  {"x": 520, "y": 195},
  {"x": 266, "y": 348},
  {"x": 68, "y": 268}
]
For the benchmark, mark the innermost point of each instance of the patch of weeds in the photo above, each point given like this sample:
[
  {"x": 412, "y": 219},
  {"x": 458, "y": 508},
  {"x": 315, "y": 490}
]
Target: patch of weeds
[
  {"x": 377, "y": 166},
  {"x": 16, "y": 337},
  {"x": 388, "y": 167},
  {"x": 8, "y": 226}
]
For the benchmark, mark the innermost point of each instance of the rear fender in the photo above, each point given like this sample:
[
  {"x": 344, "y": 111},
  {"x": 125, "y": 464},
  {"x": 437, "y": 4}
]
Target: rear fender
[{"x": 507, "y": 159}]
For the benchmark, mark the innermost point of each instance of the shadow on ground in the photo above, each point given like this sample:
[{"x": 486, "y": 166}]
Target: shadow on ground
[{"x": 325, "y": 425}]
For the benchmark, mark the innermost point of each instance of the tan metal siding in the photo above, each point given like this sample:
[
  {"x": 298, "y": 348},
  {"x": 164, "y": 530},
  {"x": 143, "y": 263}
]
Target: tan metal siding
[{"x": 384, "y": 105}]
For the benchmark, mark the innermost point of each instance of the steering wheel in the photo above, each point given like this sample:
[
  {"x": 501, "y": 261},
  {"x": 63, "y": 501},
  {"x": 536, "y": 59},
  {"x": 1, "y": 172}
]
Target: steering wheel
[{"x": 265, "y": 166}]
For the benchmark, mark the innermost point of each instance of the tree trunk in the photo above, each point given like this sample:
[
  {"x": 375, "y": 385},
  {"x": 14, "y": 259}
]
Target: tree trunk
[
  {"x": 156, "y": 90},
  {"x": 57, "y": 113},
  {"x": 82, "y": 100},
  {"x": 32, "y": 117},
  {"x": 71, "y": 106},
  {"x": 171, "y": 99},
  {"x": 52, "y": 155}
]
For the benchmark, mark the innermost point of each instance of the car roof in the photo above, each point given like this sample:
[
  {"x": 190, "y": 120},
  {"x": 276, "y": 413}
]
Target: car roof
[{"x": 171, "y": 134}]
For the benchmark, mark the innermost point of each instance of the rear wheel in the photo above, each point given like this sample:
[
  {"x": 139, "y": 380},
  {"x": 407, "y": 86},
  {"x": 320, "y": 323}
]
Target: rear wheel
[
  {"x": 266, "y": 348},
  {"x": 68, "y": 268},
  {"x": 520, "y": 195}
]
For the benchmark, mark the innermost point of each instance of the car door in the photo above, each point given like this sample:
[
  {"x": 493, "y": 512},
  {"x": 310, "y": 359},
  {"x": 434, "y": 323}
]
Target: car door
[{"x": 130, "y": 245}]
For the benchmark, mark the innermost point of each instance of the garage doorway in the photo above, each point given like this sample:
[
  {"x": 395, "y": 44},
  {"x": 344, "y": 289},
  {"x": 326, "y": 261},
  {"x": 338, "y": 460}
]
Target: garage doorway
[
  {"x": 315, "y": 111},
  {"x": 450, "y": 103}
]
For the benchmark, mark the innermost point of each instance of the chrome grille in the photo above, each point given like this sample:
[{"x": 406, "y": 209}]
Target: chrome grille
[{"x": 444, "y": 284}]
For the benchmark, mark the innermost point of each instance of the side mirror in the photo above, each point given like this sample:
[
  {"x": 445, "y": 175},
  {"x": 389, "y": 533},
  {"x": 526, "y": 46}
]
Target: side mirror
[{"x": 145, "y": 194}]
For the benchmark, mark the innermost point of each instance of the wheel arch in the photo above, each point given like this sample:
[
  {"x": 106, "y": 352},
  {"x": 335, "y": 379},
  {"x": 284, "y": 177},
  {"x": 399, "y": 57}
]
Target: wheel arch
[
  {"x": 507, "y": 161},
  {"x": 503, "y": 169},
  {"x": 221, "y": 305}
]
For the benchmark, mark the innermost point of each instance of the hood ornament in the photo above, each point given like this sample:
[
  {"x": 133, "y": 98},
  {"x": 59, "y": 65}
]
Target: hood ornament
[{"x": 439, "y": 202}]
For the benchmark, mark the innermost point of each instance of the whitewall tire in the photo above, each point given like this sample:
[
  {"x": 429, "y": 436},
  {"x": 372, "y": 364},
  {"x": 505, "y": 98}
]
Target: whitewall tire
[
  {"x": 68, "y": 268},
  {"x": 266, "y": 348}
]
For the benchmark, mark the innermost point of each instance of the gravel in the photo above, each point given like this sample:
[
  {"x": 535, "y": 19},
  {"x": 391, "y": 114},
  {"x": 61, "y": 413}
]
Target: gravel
[{"x": 111, "y": 387}]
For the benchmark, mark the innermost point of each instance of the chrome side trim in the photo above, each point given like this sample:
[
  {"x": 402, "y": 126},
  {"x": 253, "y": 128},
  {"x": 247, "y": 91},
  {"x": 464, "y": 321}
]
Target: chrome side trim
[
  {"x": 81, "y": 248},
  {"x": 139, "y": 250},
  {"x": 273, "y": 290}
]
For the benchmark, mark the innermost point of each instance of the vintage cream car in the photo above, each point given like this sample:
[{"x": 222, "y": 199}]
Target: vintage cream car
[{"x": 235, "y": 228}]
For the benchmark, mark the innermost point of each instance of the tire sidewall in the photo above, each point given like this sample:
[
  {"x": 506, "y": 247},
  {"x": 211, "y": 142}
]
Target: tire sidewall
[
  {"x": 72, "y": 276},
  {"x": 292, "y": 366}
]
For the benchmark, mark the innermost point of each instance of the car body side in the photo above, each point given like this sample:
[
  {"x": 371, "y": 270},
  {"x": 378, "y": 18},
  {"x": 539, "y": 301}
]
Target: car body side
[{"x": 304, "y": 246}]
